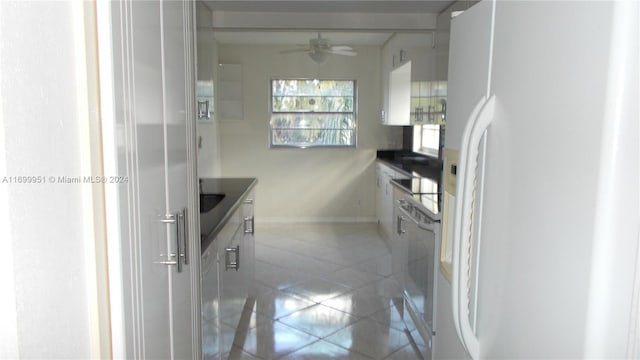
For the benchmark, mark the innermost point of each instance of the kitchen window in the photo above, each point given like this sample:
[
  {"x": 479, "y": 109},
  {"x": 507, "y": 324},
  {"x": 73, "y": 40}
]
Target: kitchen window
[
  {"x": 429, "y": 98},
  {"x": 312, "y": 113},
  {"x": 426, "y": 139}
]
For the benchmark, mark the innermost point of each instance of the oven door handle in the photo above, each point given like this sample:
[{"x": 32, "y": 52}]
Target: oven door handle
[{"x": 428, "y": 227}]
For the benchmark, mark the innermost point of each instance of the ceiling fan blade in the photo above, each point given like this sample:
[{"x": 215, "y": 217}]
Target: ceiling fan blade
[
  {"x": 343, "y": 52},
  {"x": 341, "y": 47},
  {"x": 288, "y": 51}
]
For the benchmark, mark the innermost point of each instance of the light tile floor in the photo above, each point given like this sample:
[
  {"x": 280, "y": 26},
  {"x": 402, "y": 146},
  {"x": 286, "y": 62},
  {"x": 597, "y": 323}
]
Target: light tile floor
[{"x": 323, "y": 291}]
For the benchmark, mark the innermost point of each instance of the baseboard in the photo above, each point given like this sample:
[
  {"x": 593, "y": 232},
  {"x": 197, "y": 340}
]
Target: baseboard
[{"x": 318, "y": 220}]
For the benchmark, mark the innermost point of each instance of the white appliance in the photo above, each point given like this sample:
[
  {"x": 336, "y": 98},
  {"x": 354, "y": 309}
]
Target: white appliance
[{"x": 541, "y": 238}]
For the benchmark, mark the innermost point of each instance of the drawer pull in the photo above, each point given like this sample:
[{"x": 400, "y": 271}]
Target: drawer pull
[{"x": 229, "y": 264}]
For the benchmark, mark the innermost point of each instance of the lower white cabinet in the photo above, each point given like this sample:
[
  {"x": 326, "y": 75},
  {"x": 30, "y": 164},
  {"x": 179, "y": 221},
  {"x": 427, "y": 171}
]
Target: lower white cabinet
[
  {"x": 384, "y": 199},
  {"x": 229, "y": 263},
  {"x": 248, "y": 255},
  {"x": 210, "y": 304}
]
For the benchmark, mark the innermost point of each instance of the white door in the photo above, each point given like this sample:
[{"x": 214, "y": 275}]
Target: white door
[{"x": 157, "y": 314}]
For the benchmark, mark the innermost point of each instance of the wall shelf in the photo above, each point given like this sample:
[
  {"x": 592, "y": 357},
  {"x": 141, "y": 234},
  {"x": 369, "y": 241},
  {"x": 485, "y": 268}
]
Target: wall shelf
[{"x": 230, "y": 99}]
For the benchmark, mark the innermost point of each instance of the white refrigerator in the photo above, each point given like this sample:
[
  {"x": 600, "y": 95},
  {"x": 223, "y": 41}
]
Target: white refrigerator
[{"x": 541, "y": 217}]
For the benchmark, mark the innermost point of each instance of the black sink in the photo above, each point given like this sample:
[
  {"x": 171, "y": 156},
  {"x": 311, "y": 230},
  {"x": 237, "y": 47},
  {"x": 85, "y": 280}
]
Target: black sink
[{"x": 209, "y": 201}]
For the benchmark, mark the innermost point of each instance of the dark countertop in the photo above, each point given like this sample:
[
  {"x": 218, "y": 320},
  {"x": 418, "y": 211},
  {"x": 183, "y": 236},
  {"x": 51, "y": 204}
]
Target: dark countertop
[
  {"x": 423, "y": 191},
  {"x": 234, "y": 189},
  {"x": 412, "y": 163},
  {"x": 425, "y": 184}
]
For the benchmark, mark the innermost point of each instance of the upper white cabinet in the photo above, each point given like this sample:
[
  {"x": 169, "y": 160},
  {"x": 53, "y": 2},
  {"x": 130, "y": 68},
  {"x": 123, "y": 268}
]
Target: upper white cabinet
[
  {"x": 400, "y": 95},
  {"x": 409, "y": 80}
]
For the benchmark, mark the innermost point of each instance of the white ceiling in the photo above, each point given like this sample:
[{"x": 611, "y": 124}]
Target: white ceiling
[
  {"x": 299, "y": 37},
  {"x": 343, "y": 6},
  {"x": 349, "y": 22}
]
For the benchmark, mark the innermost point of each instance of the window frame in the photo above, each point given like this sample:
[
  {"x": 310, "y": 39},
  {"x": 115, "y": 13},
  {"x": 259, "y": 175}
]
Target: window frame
[
  {"x": 354, "y": 145},
  {"x": 418, "y": 138}
]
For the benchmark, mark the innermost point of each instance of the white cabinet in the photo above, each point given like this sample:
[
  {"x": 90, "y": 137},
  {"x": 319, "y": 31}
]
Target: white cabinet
[
  {"x": 382, "y": 181},
  {"x": 152, "y": 106},
  {"x": 227, "y": 273},
  {"x": 210, "y": 304},
  {"x": 386, "y": 66},
  {"x": 400, "y": 95},
  {"x": 232, "y": 286},
  {"x": 409, "y": 80},
  {"x": 248, "y": 256},
  {"x": 384, "y": 199},
  {"x": 223, "y": 290},
  {"x": 236, "y": 254}
]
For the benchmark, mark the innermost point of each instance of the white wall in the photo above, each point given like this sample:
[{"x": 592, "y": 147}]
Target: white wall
[
  {"x": 209, "y": 164},
  {"x": 303, "y": 184},
  {"x": 48, "y": 109}
]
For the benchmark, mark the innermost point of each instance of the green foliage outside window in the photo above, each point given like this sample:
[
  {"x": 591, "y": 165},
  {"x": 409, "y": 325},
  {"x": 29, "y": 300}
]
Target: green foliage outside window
[{"x": 307, "y": 113}]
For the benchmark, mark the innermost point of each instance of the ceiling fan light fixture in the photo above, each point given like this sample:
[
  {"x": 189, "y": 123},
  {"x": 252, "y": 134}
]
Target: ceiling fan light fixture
[{"x": 319, "y": 57}]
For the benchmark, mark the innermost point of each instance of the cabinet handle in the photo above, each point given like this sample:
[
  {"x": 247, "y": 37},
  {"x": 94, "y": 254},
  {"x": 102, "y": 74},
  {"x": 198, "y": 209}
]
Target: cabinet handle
[
  {"x": 235, "y": 264},
  {"x": 180, "y": 256},
  {"x": 203, "y": 109},
  {"x": 248, "y": 201},
  {"x": 248, "y": 225},
  {"x": 400, "y": 229},
  {"x": 419, "y": 114},
  {"x": 169, "y": 219},
  {"x": 182, "y": 218}
]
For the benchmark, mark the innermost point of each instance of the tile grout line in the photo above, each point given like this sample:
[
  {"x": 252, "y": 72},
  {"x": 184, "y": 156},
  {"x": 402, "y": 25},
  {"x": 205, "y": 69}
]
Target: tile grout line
[{"x": 366, "y": 263}]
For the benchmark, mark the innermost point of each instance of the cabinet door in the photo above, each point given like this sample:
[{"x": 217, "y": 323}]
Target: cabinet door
[
  {"x": 384, "y": 202},
  {"x": 379, "y": 194},
  {"x": 151, "y": 105},
  {"x": 400, "y": 95},
  {"x": 387, "y": 66},
  {"x": 399, "y": 247},
  {"x": 210, "y": 304},
  {"x": 154, "y": 240},
  {"x": 387, "y": 205},
  {"x": 177, "y": 36},
  {"x": 232, "y": 286},
  {"x": 248, "y": 242}
]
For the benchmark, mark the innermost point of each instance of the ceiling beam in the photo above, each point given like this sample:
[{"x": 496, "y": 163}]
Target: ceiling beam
[{"x": 370, "y": 22}]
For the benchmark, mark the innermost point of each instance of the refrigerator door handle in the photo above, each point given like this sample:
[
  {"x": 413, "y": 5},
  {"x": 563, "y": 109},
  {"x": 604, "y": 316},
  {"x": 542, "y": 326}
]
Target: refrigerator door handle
[{"x": 479, "y": 120}]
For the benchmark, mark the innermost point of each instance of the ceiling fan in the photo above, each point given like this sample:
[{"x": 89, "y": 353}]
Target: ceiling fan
[{"x": 319, "y": 49}]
